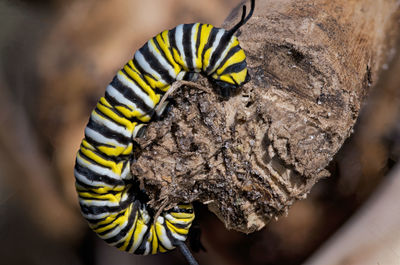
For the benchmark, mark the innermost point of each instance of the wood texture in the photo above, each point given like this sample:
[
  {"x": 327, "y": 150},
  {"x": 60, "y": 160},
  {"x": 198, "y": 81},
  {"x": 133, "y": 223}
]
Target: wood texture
[{"x": 252, "y": 156}]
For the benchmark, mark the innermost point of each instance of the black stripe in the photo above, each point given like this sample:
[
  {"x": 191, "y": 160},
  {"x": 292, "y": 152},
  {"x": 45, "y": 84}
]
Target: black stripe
[
  {"x": 177, "y": 209},
  {"x": 99, "y": 154},
  {"x": 221, "y": 46},
  {"x": 173, "y": 240},
  {"x": 181, "y": 226},
  {"x": 141, "y": 72},
  {"x": 125, "y": 230},
  {"x": 96, "y": 210},
  {"x": 129, "y": 94},
  {"x": 165, "y": 56},
  {"x": 135, "y": 208},
  {"x": 90, "y": 189},
  {"x": 115, "y": 157},
  {"x": 95, "y": 221},
  {"x": 211, "y": 39},
  {"x": 230, "y": 53},
  {"x": 113, "y": 102},
  {"x": 116, "y": 112},
  {"x": 155, "y": 64},
  {"x": 142, "y": 247},
  {"x": 93, "y": 176},
  {"x": 107, "y": 224},
  {"x": 172, "y": 41},
  {"x": 159, "y": 241},
  {"x": 187, "y": 45},
  {"x": 97, "y": 144},
  {"x": 198, "y": 40},
  {"x": 235, "y": 68},
  {"x": 108, "y": 132}
]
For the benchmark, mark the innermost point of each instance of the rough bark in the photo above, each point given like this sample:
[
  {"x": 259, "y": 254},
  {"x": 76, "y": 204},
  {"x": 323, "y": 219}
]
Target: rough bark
[
  {"x": 253, "y": 155},
  {"x": 372, "y": 235}
]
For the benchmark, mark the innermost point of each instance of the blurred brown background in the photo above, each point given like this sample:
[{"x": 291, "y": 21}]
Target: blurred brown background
[{"x": 57, "y": 58}]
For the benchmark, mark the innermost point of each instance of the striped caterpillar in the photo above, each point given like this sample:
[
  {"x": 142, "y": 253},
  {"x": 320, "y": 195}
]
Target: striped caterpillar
[{"x": 109, "y": 195}]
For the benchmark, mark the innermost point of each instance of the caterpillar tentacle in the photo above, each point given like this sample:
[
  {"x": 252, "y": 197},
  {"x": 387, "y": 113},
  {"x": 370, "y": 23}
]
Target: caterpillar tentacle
[{"x": 109, "y": 195}]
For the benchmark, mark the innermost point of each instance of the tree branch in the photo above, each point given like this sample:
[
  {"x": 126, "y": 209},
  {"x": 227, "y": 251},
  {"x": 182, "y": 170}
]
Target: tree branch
[{"x": 252, "y": 156}]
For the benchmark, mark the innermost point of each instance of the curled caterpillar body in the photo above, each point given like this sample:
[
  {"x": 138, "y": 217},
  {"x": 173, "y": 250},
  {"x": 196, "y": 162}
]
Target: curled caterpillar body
[{"x": 109, "y": 195}]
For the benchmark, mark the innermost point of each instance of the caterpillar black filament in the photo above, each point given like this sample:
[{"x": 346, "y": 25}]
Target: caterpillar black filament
[{"x": 109, "y": 195}]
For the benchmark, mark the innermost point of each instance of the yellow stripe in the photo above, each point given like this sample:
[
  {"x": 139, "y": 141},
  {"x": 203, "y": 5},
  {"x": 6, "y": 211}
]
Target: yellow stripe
[
  {"x": 131, "y": 65},
  {"x": 135, "y": 76},
  {"x": 116, "y": 168},
  {"x": 104, "y": 101},
  {"x": 116, "y": 222},
  {"x": 179, "y": 59},
  {"x": 240, "y": 77},
  {"x": 155, "y": 83},
  {"x": 182, "y": 215},
  {"x": 87, "y": 145},
  {"x": 139, "y": 228},
  {"x": 154, "y": 46},
  {"x": 131, "y": 230},
  {"x": 176, "y": 229},
  {"x": 161, "y": 249},
  {"x": 226, "y": 78},
  {"x": 107, "y": 220},
  {"x": 204, "y": 35},
  {"x": 160, "y": 232},
  {"x": 115, "y": 117},
  {"x": 154, "y": 240},
  {"x": 236, "y": 58},
  {"x": 185, "y": 206},
  {"x": 163, "y": 42},
  {"x": 115, "y": 150},
  {"x": 197, "y": 58},
  {"x": 102, "y": 190},
  {"x": 105, "y": 197},
  {"x": 128, "y": 113}
]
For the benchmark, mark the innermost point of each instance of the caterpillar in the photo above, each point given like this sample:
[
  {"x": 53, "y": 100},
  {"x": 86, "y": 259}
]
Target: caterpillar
[{"x": 109, "y": 195}]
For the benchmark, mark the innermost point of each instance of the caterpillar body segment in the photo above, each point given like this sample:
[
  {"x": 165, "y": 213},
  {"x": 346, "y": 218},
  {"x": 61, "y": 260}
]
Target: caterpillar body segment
[{"x": 109, "y": 195}]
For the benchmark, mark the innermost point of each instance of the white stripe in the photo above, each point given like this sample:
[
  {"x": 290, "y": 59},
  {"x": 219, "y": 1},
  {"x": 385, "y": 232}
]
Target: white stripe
[
  {"x": 223, "y": 55},
  {"x": 215, "y": 43},
  {"x": 91, "y": 202},
  {"x": 167, "y": 66},
  {"x": 137, "y": 90},
  {"x": 192, "y": 37},
  {"x": 98, "y": 137},
  {"x": 147, "y": 67},
  {"x": 136, "y": 130},
  {"x": 96, "y": 168},
  {"x": 126, "y": 172},
  {"x": 85, "y": 180},
  {"x": 115, "y": 231},
  {"x": 111, "y": 125},
  {"x": 163, "y": 236},
  {"x": 112, "y": 91},
  {"x": 174, "y": 220},
  {"x": 139, "y": 235},
  {"x": 148, "y": 248},
  {"x": 180, "y": 75},
  {"x": 95, "y": 216},
  {"x": 179, "y": 42},
  {"x": 133, "y": 227}
]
